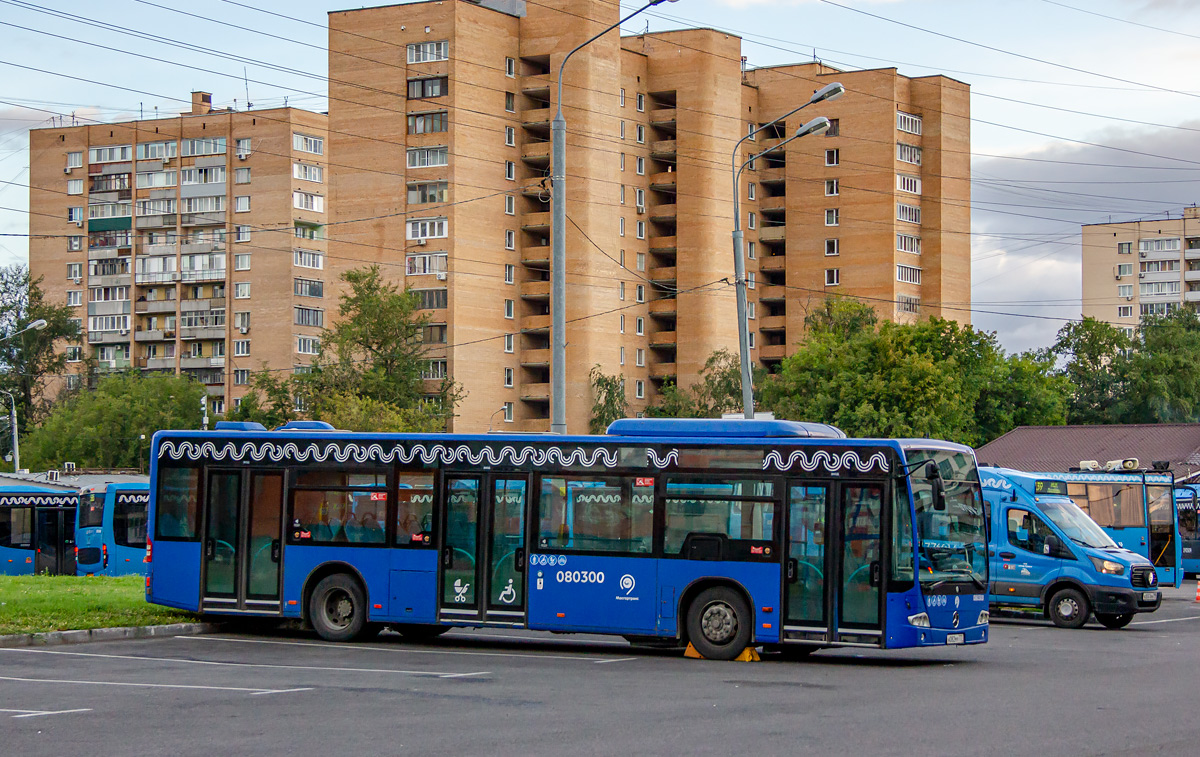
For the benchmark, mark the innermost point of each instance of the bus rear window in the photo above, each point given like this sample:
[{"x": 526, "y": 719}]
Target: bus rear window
[
  {"x": 177, "y": 508},
  {"x": 129, "y": 521},
  {"x": 15, "y": 528},
  {"x": 91, "y": 510}
]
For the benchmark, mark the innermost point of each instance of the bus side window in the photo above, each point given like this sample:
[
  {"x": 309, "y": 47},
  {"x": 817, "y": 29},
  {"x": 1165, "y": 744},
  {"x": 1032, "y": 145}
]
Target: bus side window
[
  {"x": 15, "y": 527},
  {"x": 177, "y": 507},
  {"x": 414, "y": 509}
]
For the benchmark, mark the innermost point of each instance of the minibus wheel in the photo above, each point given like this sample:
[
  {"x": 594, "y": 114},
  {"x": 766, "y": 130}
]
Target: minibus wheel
[
  {"x": 1069, "y": 608},
  {"x": 718, "y": 623},
  {"x": 1113, "y": 621},
  {"x": 338, "y": 608}
]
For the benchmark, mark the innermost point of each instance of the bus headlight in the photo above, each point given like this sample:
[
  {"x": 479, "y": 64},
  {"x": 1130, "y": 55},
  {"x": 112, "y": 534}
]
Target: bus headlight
[
  {"x": 1107, "y": 566},
  {"x": 984, "y": 617},
  {"x": 920, "y": 620}
]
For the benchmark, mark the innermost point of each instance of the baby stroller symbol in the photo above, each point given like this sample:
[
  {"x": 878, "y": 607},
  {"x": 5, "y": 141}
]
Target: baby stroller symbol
[
  {"x": 509, "y": 595},
  {"x": 460, "y": 590}
]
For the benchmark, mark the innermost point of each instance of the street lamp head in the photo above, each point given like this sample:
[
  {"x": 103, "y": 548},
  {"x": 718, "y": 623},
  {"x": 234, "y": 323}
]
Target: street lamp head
[
  {"x": 828, "y": 92},
  {"x": 660, "y": 2},
  {"x": 818, "y": 125},
  {"x": 39, "y": 324}
]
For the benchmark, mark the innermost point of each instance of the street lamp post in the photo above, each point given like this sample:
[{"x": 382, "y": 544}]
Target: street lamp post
[
  {"x": 815, "y": 126},
  {"x": 558, "y": 240},
  {"x": 37, "y": 325}
]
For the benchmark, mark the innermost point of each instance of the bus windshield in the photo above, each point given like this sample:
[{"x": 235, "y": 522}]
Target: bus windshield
[
  {"x": 953, "y": 542},
  {"x": 1075, "y": 523},
  {"x": 91, "y": 510}
]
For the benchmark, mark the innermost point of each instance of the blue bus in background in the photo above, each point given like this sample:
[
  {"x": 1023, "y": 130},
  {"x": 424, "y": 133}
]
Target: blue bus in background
[
  {"x": 723, "y": 534},
  {"x": 110, "y": 530},
  {"x": 1187, "y": 502},
  {"x": 1047, "y": 554},
  {"x": 37, "y": 530}
]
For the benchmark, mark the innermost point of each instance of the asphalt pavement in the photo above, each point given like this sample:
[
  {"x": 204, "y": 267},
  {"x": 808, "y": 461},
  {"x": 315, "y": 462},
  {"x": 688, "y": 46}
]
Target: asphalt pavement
[{"x": 1033, "y": 689}]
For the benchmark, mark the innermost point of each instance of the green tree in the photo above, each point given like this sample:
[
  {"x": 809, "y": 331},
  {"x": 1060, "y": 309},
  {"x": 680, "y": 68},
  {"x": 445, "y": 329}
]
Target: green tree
[
  {"x": 1088, "y": 350},
  {"x": 1158, "y": 378},
  {"x": 356, "y": 413},
  {"x": 608, "y": 400},
  {"x": 30, "y": 363},
  {"x": 111, "y": 427},
  {"x": 718, "y": 390},
  {"x": 270, "y": 400}
]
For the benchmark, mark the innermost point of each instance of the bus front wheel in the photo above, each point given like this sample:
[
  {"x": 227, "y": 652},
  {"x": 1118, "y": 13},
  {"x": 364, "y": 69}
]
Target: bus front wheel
[
  {"x": 718, "y": 623},
  {"x": 338, "y": 608},
  {"x": 1113, "y": 621},
  {"x": 1069, "y": 608}
]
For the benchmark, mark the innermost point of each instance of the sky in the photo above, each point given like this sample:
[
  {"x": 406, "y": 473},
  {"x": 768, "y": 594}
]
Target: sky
[{"x": 1082, "y": 110}]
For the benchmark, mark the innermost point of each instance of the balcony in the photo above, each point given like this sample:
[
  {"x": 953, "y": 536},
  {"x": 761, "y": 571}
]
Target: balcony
[
  {"x": 1191, "y": 296},
  {"x": 1191, "y": 275},
  {"x": 149, "y": 335},
  {"x": 662, "y": 274},
  {"x": 663, "y": 117},
  {"x": 667, "y": 307},
  {"x": 536, "y": 221},
  {"x": 535, "y": 290},
  {"x": 535, "y": 392},
  {"x": 535, "y": 358},
  {"x": 531, "y": 324},
  {"x": 537, "y": 85},
  {"x": 663, "y": 149},
  {"x": 660, "y": 371},
  {"x": 204, "y": 303},
  {"x": 202, "y": 332},
  {"x": 772, "y": 351},
  {"x": 663, "y": 213},
  {"x": 108, "y": 337},
  {"x": 203, "y": 219},
  {"x": 537, "y": 119},
  {"x": 113, "y": 366},
  {"x": 157, "y": 363},
  {"x": 154, "y": 306},
  {"x": 663, "y": 339},
  {"x": 1159, "y": 276},
  {"x": 772, "y": 323},
  {"x": 201, "y": 247},
  {"x": 772, "y": 292},
  {"x": 151, "y": 222},
  {"x": 770, "y": 176},
  {"x": 772, "y": 234},
  {"x": 663, "y": 182},
  {"x": 205, "y": 274},
  {"x": 193, "y": 362},
  {"x": 537, "y": 255},
  {"x": 159, "y": 277},
  {"x": 663, "y": 244},
  {"x": 773, "y": 263},
  {"x": 536, "y": 154},
  {"x": 774, "y": 208}
]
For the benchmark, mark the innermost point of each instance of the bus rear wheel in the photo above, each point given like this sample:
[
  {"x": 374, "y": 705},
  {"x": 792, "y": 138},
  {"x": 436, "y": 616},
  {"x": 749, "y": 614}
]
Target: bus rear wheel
[
  {"x": 1114, "y": 621},
  {"x": 338, "y": 608},
  {"x": 1069, "y": 608},
  {"x": 718, "y": 623}
]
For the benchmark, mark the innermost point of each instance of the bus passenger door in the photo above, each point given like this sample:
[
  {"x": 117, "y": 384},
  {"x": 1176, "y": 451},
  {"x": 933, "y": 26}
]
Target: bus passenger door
[
  {"x": 505, "y": 575},
  {"x": 459, "y": 595},
  {"x": 242, "y": 532},
  {"x": 860, "y": 563}
]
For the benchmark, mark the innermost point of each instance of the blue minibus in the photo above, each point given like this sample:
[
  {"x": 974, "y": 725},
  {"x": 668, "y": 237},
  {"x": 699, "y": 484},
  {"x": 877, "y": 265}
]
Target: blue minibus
[
  {"x": 37, "y": 530},
  {"x": 1048, "y": 555},
  {"x": 110, "y": 530},
  {"x": 1187, "y": 502},
  {"x": 725, "y": 534}
]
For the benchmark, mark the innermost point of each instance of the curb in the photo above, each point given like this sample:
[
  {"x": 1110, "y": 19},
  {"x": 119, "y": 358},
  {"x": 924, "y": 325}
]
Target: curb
[{"x": 54, "y": 638}]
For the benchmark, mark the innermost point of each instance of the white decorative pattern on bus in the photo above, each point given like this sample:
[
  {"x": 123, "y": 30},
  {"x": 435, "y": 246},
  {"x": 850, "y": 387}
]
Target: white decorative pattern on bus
[
  {"x": 17, "y": 500},
  {"x": 447, "y": 455},
  {"x": 671, "y": 458},
  {"x": 830, "y": 461},
  {"x": 133, "y": 499}
]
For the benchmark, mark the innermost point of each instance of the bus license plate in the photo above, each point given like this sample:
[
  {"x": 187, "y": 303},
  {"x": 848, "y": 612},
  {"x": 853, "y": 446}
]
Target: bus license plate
[
  {"x": 1149, "y": 596},
  {"x": 955, "y": 638}
]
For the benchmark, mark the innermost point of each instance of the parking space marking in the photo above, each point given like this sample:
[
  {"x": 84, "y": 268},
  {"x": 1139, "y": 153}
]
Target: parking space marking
[
  {"x": 361, "y": 648},
  {"x": 1166, "y": 620},
  {"x": 148, "y": 685},
  {"x": 40, "y": 713},
  {"x": 184, "y": 660}
]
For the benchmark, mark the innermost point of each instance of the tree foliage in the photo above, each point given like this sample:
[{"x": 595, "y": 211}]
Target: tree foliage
[
  {"x": 111, "y": 427},
  {"x": 608, "y": 400},
  {"x": 1087, "y": 349},
  {"x": 718, "y": 391}
]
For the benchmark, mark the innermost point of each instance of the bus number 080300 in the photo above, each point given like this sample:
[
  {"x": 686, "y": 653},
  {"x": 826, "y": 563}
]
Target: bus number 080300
[{"x": 580, "y": 577}]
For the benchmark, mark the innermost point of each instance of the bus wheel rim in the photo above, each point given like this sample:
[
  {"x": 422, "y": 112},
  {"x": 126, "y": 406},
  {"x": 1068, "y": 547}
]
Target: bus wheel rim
[
  {"x": 339, "y": 609},
  {"x": 719, "y": 623}
]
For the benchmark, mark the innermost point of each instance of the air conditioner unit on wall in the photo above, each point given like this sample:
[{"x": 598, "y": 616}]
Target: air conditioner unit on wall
[
  {"x": 67, "y": 170},
  {"x": 441, "y": 276},
  {"x": 422, "y": 241}
]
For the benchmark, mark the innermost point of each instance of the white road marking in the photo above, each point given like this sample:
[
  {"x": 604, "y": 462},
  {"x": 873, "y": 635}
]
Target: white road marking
[
  {"x": 147, "y": 685},
  {"x": 405, "y": 650},
  {"x": 40, "y": 713},
  {"x": 619, "y": 659},
  {"x": 324, "y": 668},
  {"x": 1167, "y": 620}
]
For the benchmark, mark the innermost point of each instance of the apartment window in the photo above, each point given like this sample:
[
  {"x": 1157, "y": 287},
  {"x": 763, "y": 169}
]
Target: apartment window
[
  {"x": 242, "y": 147},
  {"x": 750, "y": 339},
  {"x": 510, "y": 309},
  {"x": 241, "y": 261},
  {"x": 622, "y": 98},
  {"x": 431, "y": 299},
  {"x": 75, "y": 159},
  {"x": 308, "y": 317},
  {"x": 428, "y": 123},
  {"x": 74, "y": 297},
  {"x": 621, "y": 258},
  {"x": 241, "y": 290},
  {"x": 74, "y": 186},
  {"x": 508, "y": 377},
  {"x": 510, "y": 136},
  {"x": 308, "y": 288},
  {"x": 308, "y": 345},
  {"x": 305, "y": 201},
  {"x": 75, "y": 215},
  {"x": 639, "y": 198},
  {"x": 641, "y": 166},
  {"x": 1125, "y": 290},
  {"x": 641, "y": 102},
  {"x": 113, "y": 209},
  {"x": 621, "y": 290},
  {"x": 241, "y": 233},
  {"x": 152, "y": 207},
  {"x": 639, "y": 389},
  {"x": 510, "y": 239},
  {"x": 510, "y": 102},
  {"x": 510, "y": 170},
  {"x": 207, "y": 146},
  {"x": 308, "y": 143},
  {"x": 1159, "y": 288},
  {"x": 427, "y": 228},
  {"x": 1156, "y": 308},
  {"x": 831, "y": 187},
  {"x": 751, "y": 279},
  {"x": 752, "y": 221},
  {"x": 308, "y": 259},
  {"x": 641, "y": 293},
  {"x": 908, "y": 123},
  {"x": 641, "y": 229},
  {"x": 425, "y": 157},
  {"x": 1125, "y": 311},
  {"x": 908, "y": 274},
  {"x": 74, "y": 243},
  {"x": 74, "y": 354},
  {"x": 621, "y": 322},
  {"x": 908, "y": 213},
  {"x": 751, "y": 128},
  {"x": 420, "y": 89},
  {"x": 621, "y": 226},
  {"x": 510, "y": 67},
  {"x": 833, "y": 277},
  {"x": 510, "y": 273},
  {"x": 242, "y": 175},
  {"x": 751, "y": 250},
  {"x": 640, "y": 357},
  {"x": 641, "y": 134},
  {"x": 832, "y": 157},
  {"x": 241, "y": 377},
  {"x": 110, "y": 154},
  {"x": 510, "y": 205},
  {"x": 750, "y": 311},
  {"x": 832, "y": 247},
  {"x": 750, "y": 191},
  {"x": 906, "y": 153},
  {"x": 241, "y": 348},
  {"x": 241, "y": 204},
  {"x": 1159, "y": 245},
  {"x": 835, "y": 128},
  {"x": 639, "y": 326},
  {"x": 435, "y": 370},
  {"x": 641, "y": 261},
  {"x": 418, "y": 194},
  {"x": 155, "y": 179},
  {"x": 425, "y": 263},
  {"x": 908, "y": 243},
  {"x": 211, "y": 204},
  {"x": 1124, "y": 248},
  {"x": 621, "y": 356},
  {"x": 213, "y": 175},
  {"x": 508, "y": 342},
  {"x": 424, "y": 52},
  {"x": 622, "y": 130},
  {"x": 301, "y": 171},
  {"x": 831, "y": 217},
  {"x": 1125, "y": 269},
  {"x": 910, "y": 184},
  {"x": 622, "y": 161}
]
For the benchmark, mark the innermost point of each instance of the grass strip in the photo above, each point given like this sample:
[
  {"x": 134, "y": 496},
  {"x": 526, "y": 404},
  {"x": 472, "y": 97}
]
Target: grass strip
[{"x": 36, "y": 604}]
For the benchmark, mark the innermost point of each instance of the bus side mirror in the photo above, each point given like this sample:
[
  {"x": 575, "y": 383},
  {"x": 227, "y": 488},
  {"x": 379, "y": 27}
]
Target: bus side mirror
[
  {"x": 1051, "y": 546},
  {"x": 934, "y": 476}
]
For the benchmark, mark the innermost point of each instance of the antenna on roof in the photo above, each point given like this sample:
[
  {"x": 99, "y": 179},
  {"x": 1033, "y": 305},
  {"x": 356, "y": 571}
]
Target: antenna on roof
[{"x": 246, "y": 80}]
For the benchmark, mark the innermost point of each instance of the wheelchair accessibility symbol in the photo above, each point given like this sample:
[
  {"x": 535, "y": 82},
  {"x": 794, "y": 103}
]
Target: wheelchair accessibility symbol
[{"x": 509, "y": 595}]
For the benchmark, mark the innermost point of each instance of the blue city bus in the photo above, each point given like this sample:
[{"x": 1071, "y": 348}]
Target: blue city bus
[
  {"x": 110, "y": 530},
  {"x": 1048, "y": 555},
  {"x": 1187, "y": 502},
  {"x": 722, "y": 534},
  {"x": 37, "y": 530},
  {"x": 1136, "y": 509}
]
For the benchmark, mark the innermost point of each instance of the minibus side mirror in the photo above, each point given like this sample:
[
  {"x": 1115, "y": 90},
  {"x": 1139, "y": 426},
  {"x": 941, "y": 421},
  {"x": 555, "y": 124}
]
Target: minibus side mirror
[
  {"x": 934, "y": 476},
  {"x": 1052, "y": 547}
]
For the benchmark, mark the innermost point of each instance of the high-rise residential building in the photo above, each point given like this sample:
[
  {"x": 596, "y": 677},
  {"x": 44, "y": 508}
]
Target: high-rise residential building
[
  {"x": 440, "y": 127},
  {"x": 192, "y": 244},
  {"x": 1141, "y": 268}
]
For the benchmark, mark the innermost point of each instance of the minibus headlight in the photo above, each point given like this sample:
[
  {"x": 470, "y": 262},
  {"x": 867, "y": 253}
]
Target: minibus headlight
[
  {"x": 920, "y": 620},
  {"x": 984, "y": 617},
  {"x": 1108, "y": 566}
]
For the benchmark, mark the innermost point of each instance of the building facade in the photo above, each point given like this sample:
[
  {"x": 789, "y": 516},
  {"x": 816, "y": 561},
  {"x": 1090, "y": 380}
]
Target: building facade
[
  {"x": 188, "y": 244},
  {"x": 1140, "y": 268},
  {"x": 440, "y": 123}
]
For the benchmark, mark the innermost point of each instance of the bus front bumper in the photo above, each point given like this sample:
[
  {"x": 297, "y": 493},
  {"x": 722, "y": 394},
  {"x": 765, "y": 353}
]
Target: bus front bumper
[{"x": 1109, "y": 600}]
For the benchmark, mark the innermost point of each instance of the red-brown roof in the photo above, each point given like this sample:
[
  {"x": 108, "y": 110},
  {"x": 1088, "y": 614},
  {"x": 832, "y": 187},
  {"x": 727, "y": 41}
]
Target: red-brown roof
[{"x": 1057, "y": 448}]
